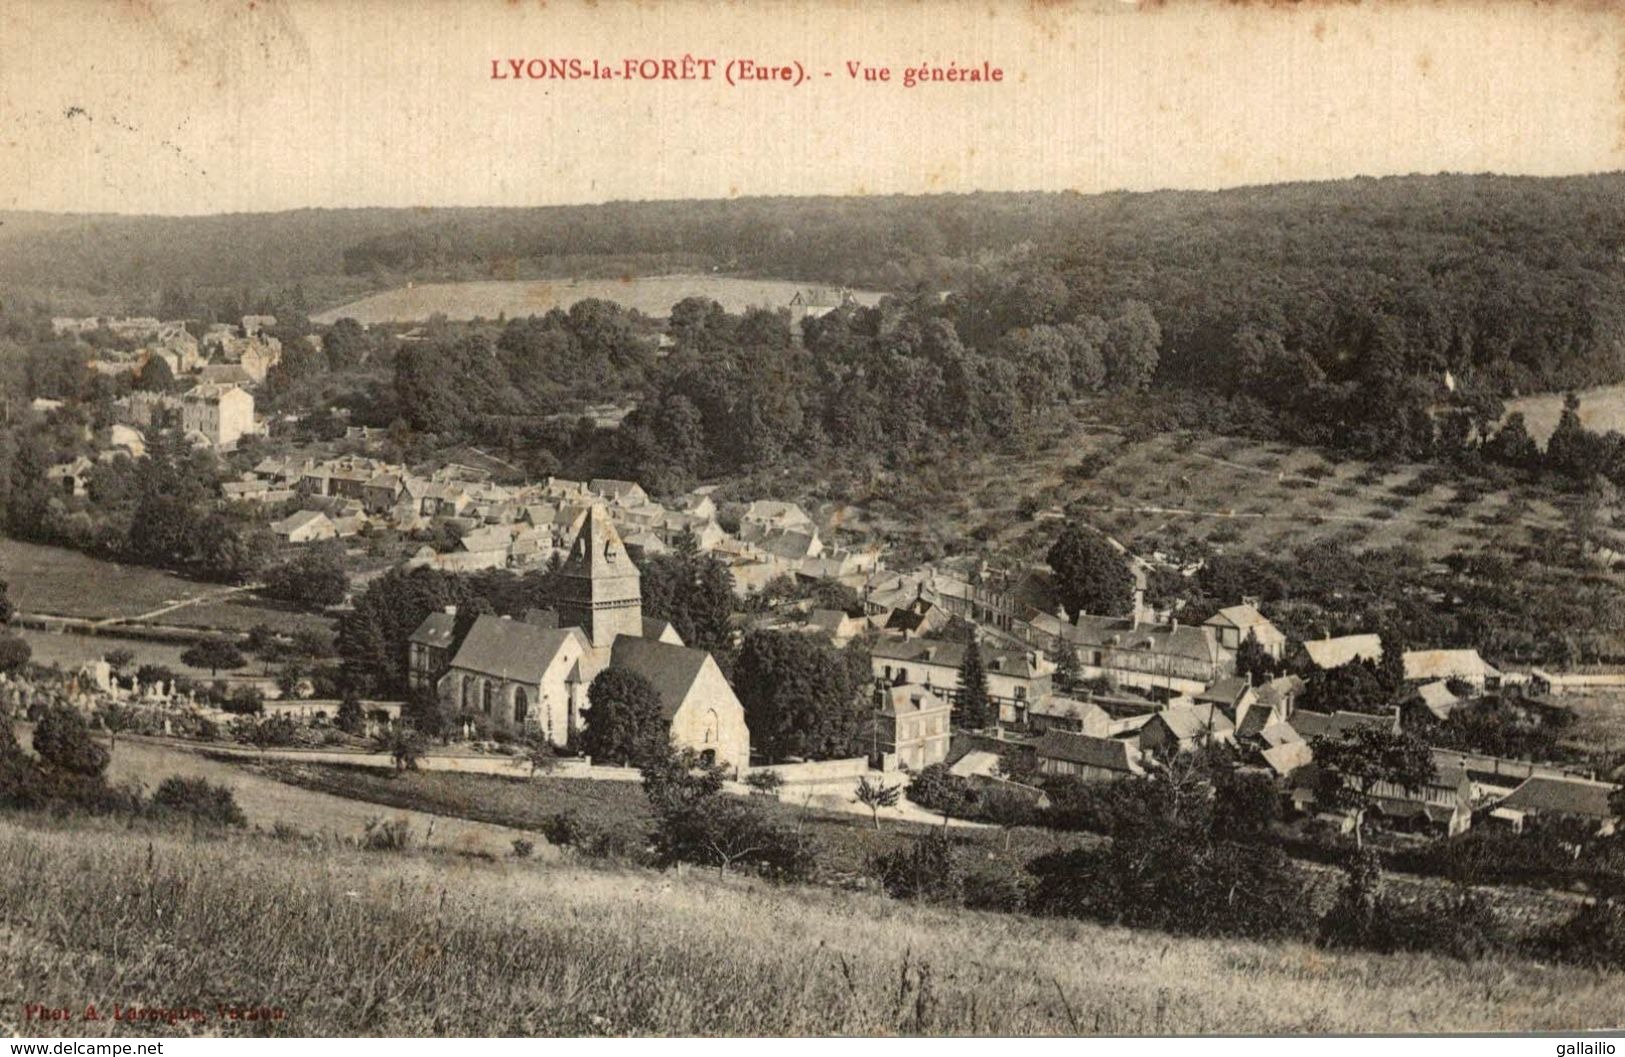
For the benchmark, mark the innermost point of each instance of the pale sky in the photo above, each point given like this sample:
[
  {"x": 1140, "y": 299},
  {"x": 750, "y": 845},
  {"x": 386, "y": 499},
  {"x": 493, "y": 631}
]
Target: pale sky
[{"x": 148, "y": 106}]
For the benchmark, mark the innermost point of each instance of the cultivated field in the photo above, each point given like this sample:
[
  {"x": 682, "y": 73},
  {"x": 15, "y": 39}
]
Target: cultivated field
[
  {"x": 412, "y": 945},
  {"x": 651, "y": 295},
  {"x": 1170, "y": 492},
  {"x": 1601, "y": 409}
]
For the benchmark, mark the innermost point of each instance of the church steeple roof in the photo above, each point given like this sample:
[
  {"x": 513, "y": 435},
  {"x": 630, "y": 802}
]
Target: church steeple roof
[{"x": 598, "y": 551}]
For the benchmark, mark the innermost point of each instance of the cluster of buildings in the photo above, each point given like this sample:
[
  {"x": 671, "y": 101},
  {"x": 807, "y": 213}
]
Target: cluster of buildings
[
  {"x": 214, "y": 415},
  {"x": 531, "y": 675},
  {"x": 228, "y": 353},
  {"x": 525, "y": 526}
]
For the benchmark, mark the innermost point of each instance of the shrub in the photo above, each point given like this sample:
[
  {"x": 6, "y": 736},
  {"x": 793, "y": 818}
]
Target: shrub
[
  {"x": 766, "y": 783},
  {"x": 997, "y": 886},
  {"x": 393, "y": 834},
  {"x": 928, "y": 870},
  {"x": 1594, "y": 936},
  {"x": 199, "y": 799},
  {"x": 522, "y": 848},
  {"x": 64, "y": 742},
  {"x": 1459, "y": 923},
  {"x": 564, "y": 830},
  {"x": 725, "y": 832}
]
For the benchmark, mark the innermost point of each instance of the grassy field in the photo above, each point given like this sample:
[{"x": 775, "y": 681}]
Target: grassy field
[
  {"x": 349, "y": 942},
  {"x": 62, "y": 582},
  {"x": 268, "y": 803},
  {"x": 1601, "y": 409},
  {"x": 846, "y": 842},
  {"x": 651, "y": 295}
]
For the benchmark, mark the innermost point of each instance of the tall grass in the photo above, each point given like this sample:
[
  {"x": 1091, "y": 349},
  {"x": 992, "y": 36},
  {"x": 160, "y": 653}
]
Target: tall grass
[{"x": 349, "y": 942}]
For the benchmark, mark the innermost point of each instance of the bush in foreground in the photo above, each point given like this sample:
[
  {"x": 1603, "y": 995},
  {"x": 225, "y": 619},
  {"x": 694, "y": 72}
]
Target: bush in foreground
[{"x": 198, "y": 799}]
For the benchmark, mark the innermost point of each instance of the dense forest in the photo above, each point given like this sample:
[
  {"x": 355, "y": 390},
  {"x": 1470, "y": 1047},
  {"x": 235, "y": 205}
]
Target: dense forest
[{"x": 1386, "y": 317}]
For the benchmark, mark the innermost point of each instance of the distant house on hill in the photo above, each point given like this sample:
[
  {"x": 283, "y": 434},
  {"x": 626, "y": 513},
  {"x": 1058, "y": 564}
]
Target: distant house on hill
[
  {"x": 1326, "y": 654},
  {"x": 1232, "y": 624},
  {"x": 305, "y": 526},
  {"x": 1464, "y": 665}
]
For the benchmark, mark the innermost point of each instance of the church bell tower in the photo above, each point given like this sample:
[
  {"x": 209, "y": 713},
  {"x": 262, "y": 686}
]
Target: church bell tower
[{"x": 600, "y": 590}]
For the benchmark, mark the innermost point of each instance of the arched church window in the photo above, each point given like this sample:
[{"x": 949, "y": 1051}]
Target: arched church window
[
  {"x": 521, "y": 704},
  {"x": 490, "y": 697},
  {"x": 468, "y": 693}
]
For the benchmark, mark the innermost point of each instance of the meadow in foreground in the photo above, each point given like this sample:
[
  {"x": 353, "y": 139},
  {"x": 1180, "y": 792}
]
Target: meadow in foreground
[{"x": 352, "y": 942}]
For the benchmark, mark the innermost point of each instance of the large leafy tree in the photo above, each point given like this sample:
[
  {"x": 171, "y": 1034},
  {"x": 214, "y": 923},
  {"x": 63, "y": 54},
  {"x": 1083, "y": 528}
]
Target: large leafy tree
[
  {"x": 802, "y": 696},
  {"x": 1351, "y": 767},
  {"x": 695, "y": 592},
  {"x": 315, "y": 578},
  {"x": 214, "y": 654},
  {"x": 1090, "y": 575},
  {"x": 624, "y": 722}
]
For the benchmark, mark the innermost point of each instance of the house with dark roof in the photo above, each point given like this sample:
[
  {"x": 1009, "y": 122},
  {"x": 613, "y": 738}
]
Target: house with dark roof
[
  {"x": 429, "y": 648},
  {"x": 1444, "y": 803},
  {"x": 695, "y": 698},
  {"x": 1084, "y": 756},
  {"x": 1311, "y": 725},
  {"x": 1546, "y": 796},
  {"x": 1060, "y": 712}
]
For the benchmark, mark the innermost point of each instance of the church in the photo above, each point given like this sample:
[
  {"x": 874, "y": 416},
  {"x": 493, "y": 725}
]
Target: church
[{"x": 532, "y": 674}]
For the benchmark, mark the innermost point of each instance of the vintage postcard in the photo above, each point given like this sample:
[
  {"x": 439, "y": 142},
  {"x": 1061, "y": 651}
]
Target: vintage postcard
[{"x": 975, "y": 518}]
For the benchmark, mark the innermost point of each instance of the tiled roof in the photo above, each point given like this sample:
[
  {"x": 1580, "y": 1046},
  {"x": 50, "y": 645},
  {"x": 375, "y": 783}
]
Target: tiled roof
[
  {"x": 1287, "y": 757},
  {"x": 1186, "y": 722},
  {"x": 511, "y": 649},
  {"x": 1332, "y": 725},
  {"x": 1192, "y": 642},
  {"x": 1334, "y": 653},
  {"x": 1447, "y": 664},
  {"x": 671, "y": 670},
  {"x": 1108, "y": 753},
  {"x": 1562, "y": 796}
]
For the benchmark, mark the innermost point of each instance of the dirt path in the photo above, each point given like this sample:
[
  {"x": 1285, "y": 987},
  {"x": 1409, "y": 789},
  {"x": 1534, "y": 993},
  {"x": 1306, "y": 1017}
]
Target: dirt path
[
  {"x": 1249, "y": 516},
  {"x": 209, "y": 596}
]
